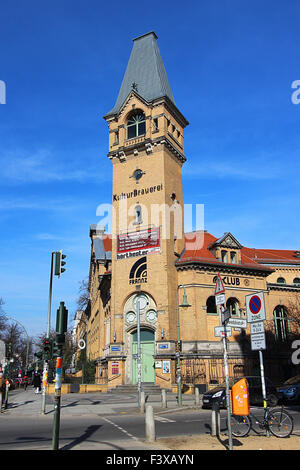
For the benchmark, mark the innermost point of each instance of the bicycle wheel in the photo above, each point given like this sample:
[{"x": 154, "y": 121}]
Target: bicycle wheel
[
  {"x": 280, "y": 423},
  {"x": 240, "y": 425}
]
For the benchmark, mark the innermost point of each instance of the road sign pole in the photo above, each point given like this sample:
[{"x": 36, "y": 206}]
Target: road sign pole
[
  {"x": 45, "y": 369},
  {"x": 227, "y": 387},
  {"x": 263, "y": 383},
  {"x": 56, "y": 418}
]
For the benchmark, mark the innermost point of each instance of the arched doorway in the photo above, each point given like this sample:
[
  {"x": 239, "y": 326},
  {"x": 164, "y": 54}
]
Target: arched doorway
[{"x": 147, "y": 356}]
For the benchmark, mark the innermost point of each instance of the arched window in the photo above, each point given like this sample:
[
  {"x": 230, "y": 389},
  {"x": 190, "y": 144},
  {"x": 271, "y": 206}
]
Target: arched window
[
  {"x": 296, "y": 280},
  {"x": 233, "y": 305},
  {"x": 136, "y": 125},
  {"x": 211, "y": 305},
  {"x": 281, "y": 326},
  {"x": 138, "y": 215},
  {"x": 281, "y": 280}
]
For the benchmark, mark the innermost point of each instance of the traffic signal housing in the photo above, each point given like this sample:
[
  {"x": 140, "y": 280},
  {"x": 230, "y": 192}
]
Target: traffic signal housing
[
  {"x": 59, "y": 263},
  {"x": 61, "y": 323},
  {"x": 47, "y": 349}
]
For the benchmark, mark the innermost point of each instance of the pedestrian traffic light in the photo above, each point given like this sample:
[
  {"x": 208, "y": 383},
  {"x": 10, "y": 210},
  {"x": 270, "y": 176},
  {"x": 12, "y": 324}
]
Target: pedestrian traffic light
[
  {"x": 59, "y": 263},
  {"x": 47, "y": 349},
  {"x": 61, "y": 322}
]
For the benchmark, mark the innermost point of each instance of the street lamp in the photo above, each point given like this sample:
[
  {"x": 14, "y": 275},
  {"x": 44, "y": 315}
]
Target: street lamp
[{"x": 184, "y": 304}]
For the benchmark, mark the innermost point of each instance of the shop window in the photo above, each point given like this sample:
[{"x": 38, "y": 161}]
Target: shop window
[
  {"x": 211, "y": 305},
  {"x": 281, "y": 325},
  {"x": 281, "y": 280},
  {"x": 136, "y": 125}
]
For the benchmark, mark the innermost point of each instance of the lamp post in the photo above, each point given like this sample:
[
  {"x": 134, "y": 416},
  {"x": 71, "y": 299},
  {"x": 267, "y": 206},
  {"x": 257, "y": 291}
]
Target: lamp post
[{"x": 183, "y": 304}]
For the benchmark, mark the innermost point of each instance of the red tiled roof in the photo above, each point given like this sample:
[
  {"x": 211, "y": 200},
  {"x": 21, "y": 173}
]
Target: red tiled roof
[{"x": 197, "y": 250}]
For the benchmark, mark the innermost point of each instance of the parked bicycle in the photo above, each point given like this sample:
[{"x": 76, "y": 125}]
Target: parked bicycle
[{"x": 277, "y": 420}]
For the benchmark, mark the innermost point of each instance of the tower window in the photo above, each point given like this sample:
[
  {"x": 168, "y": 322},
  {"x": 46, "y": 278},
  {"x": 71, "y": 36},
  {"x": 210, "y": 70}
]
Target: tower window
[
  {"x": 281, "y": 280},
  {"x": 155, "y": 125},
  {"x": 136, "y": 125},
  {"x": 138, "y": 214},
  {"x": 296, "y": 280}
]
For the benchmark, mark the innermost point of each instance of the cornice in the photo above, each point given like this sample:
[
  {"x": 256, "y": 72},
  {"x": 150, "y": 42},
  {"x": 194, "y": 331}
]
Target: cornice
[{"x": 147, "y": 145}]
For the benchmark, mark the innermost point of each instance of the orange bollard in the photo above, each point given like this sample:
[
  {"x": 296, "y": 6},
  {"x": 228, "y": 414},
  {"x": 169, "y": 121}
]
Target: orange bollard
[{"x": 240, "y": 403}]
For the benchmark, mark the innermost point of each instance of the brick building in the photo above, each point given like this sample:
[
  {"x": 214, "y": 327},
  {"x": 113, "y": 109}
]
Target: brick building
[{"x": 148, "y": 264}]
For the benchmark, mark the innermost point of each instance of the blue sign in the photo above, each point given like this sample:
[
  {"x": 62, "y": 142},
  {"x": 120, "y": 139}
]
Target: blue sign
[
  {"x": 116, "y": 348},
  {"x": 163, "y": 346}
]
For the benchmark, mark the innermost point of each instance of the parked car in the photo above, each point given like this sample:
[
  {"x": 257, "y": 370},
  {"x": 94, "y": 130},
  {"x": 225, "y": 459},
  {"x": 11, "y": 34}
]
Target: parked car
[
  {"x": 255, "y": 393},
  {"x": 290, "y": 390}
]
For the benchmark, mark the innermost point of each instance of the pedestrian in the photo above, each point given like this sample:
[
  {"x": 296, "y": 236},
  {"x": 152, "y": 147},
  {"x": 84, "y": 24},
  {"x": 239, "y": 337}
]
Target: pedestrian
[
  {"x": 37, "y": 381},
  {"x": 2, "y": 388},
  {"x": 25, "y": 382}
]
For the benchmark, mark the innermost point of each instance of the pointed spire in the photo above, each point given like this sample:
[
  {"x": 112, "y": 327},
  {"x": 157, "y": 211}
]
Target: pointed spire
[{"x": 145, "y": 73}]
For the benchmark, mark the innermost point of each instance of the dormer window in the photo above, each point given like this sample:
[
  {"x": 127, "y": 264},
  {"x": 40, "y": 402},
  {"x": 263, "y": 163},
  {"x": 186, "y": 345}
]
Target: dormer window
[
  {"x": 136, "y": 125},
  {"x": 224, "y": 256},
  {"x": 233, "y": 257}
]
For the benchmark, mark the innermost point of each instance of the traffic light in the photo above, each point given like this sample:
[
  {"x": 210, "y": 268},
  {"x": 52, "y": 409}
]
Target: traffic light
[
  {"x": 178, "y": 346},
  {"x": 59, "y": 263},
  {"x": 39, "y": 355},
  {"x": 61, "y": 323},
  {"x": 47, "y": 349},
  {"x": 8, "y": 351},
  {"x": 55, "y": 349}
]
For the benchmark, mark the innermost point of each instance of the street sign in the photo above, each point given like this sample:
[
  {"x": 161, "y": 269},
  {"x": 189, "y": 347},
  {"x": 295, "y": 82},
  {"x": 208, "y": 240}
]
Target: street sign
[
  {"x": 237, "y": 323},
  {"x": 225, "y": 315},
  {"x": 220, "y": 299},
  {"x": 257, "y": 327},
  {"x": 220, "y": 331},
  {"x": 219, "y": 289},
  {"x": 258, "y": 341},
  {"x": 255, "y": 306}
]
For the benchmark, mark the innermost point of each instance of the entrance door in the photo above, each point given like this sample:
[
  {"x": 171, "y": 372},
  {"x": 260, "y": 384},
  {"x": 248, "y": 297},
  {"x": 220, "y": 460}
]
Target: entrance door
[{"x": 147, "y": 356}]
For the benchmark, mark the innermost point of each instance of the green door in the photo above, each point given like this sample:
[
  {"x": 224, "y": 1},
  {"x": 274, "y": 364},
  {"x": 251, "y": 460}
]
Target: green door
[{"x": 147, "y": 357}]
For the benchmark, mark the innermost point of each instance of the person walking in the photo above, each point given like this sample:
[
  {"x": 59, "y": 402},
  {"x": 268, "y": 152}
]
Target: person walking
[
  {"x": 2, "y": 389},
  {"x": 37, "y": 381}
]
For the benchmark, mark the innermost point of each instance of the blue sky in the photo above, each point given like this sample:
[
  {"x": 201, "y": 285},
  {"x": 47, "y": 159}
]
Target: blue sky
[{"x": 230, "y": 65}]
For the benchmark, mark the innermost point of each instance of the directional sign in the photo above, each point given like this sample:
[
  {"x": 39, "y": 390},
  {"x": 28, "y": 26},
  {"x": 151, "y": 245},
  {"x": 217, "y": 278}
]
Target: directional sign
[
  {"x": 220, "y": 331},
  {"x": 219, "y": 289},
  {"x": 237, "y": 323},
  {"x": 220, "y": 299},
  {"x": 255, "y": 306}
]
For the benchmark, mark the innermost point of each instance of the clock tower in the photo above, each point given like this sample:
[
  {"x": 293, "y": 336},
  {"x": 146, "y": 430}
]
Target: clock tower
[{"x": 146, "y": 148}]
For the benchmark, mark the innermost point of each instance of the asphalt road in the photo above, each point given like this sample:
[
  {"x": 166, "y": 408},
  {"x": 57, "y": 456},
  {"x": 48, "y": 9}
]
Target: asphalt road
[{"x": 101, "y": 421}]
